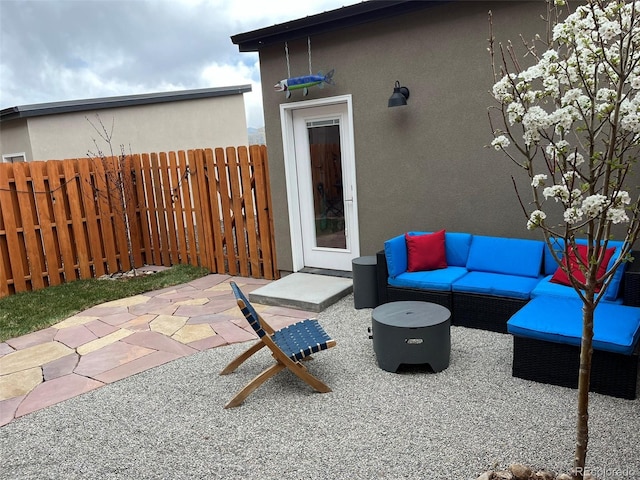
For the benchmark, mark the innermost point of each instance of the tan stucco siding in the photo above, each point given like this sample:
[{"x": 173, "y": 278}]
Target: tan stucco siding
[
  {"x": 212, "y": 122},
  {"x": 14, "y": 138}
]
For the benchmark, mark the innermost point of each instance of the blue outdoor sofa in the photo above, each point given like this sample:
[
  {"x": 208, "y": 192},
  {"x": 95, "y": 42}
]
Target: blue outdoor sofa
[{"x": 505, "y": 285}]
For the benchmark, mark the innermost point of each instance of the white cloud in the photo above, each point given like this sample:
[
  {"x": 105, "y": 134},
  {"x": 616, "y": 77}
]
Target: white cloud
[
  {"x": 60, "y": 50},
  {"x": 216, "y": 75}
]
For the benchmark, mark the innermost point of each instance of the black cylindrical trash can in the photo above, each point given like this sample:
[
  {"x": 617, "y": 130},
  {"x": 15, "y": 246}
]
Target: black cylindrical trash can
[{"x": 365, "y": 291}]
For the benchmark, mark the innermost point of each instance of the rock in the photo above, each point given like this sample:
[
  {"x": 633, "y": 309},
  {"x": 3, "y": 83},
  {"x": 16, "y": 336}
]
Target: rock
[
  {"x": 544, "y": 475},
  {"x": 520, "y": 472},
  {"x": 504, "y": 475},
  {"x": 563, "y": 476},
  {"x": 137, "y": 272},
  {"x": 485, "y": 476}
]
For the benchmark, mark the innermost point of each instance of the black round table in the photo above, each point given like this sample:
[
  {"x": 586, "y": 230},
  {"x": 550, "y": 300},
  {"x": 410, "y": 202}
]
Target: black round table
[{"x": 411, "y": 333}]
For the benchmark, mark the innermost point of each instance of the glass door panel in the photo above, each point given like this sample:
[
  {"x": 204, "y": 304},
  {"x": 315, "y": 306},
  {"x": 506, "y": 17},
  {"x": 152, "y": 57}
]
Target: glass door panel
[{"x": 326, "y": 179}]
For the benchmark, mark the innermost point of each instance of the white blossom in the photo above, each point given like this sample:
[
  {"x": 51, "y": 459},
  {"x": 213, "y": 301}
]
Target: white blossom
[
  {"x": 572, "y": 215},
  {"x": 575, "y": 158},
  {"x": 617, "y": 215},
  {"x": 500, "y": 142},
  {"x": 502, "y": 90},
  {"x": 538, "y": 180},
  {"x": 594, "y": 205},
  {"x": 622, "y": 198},
  {"x": 570, "y": 177},
  {"x": 557, "y": 192},
  {"x": 536, "y": 218}
]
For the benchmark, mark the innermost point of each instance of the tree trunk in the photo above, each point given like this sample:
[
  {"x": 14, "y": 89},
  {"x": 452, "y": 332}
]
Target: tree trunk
[{"x": 586, "y": 353}]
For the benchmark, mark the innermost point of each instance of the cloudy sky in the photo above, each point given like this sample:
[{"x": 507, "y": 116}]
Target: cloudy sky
[{"x": 55, "y": 50}]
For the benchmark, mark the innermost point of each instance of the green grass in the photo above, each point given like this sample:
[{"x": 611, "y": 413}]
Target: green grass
[{"x": 27, "y": 312}]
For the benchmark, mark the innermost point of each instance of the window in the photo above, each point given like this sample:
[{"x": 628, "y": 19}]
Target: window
[{"x": 13, "y": 158}]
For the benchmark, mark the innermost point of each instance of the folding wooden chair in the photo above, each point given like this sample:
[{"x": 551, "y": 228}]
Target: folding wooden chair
[{"x": 289, "y": 347}]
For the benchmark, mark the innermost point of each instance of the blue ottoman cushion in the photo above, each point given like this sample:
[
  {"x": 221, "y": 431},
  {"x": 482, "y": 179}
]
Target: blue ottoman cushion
[{"x": 559, "y": 320}]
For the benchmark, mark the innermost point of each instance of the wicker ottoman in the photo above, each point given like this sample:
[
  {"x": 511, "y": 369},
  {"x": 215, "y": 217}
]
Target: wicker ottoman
[{"x": 411, "y": 333}]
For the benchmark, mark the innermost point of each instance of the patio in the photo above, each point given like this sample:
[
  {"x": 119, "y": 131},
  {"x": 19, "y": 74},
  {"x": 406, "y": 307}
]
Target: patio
[{"x": 169, "y": 421}]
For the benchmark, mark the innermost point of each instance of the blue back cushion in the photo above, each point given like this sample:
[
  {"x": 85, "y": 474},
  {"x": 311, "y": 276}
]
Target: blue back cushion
[
  {"x": 457, "y": 248},
  {"x": 395, "y": 251},
  {"x": 509, "y": 256},
  {"x": 612, "y": 293}
]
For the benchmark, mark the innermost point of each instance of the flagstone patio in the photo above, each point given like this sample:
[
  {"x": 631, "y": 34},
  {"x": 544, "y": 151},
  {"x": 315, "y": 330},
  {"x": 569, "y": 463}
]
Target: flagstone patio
[{"x": 118, "y": 339}]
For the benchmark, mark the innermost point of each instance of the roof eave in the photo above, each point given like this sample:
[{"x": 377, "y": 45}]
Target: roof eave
[
  {"x": 40, "y": 109},
  {"x": 326, "y": 22}
]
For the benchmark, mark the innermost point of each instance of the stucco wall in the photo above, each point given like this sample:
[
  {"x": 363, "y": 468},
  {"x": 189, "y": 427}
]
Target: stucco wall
[
  {"x": 181, "y": 125},
  {"x": 423, "y": 166},
  {"x": 14, "y": 138}
]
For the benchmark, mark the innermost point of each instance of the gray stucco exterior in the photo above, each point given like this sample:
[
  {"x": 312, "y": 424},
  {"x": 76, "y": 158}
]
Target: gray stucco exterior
[{"x": 424, "y": 166}]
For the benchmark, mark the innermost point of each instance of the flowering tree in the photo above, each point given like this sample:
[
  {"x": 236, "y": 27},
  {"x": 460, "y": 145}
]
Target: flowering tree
[{"x": 571, "y": 121}]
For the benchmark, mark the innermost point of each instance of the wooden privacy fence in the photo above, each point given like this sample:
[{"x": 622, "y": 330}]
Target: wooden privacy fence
[{"x": 62, "y": 220}]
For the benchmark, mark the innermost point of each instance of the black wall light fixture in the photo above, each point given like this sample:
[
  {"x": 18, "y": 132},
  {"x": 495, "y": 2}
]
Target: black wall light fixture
[{"x": 399, "y": 97}]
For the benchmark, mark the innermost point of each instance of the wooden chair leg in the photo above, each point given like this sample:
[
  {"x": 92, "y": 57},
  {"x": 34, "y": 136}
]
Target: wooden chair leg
[
  {"x": 300, "y": 370},
  {"x": 253, "y": 384},
  {"x": 240, "y": 359}
]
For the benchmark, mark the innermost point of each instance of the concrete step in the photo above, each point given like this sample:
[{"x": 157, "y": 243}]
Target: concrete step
[{"x": 303, "y": 291}]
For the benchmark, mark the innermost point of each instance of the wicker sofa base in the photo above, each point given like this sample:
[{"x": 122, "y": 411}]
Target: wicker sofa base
[
  {"x": 395, "y": 294},
  {"x": 484, "y": 312},
  {"x": 612, "y": 374}
]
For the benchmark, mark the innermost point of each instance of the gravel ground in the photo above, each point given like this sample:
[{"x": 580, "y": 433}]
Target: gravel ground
[{"x": 169, "y": 422}]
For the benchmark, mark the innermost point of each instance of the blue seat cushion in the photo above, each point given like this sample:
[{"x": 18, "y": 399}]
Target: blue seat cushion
[
  {"x": 439, "y": 280},
  {"x": 547, "y": 288},
  {"x": 496, "y": 284},
  {"x": 508, "y": 256},
  {"x": 559, "y": 320}
]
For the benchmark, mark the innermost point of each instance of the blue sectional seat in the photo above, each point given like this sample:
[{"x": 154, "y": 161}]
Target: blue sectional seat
[
  {"x": 616, "y": 328},
  {"x": 503, "y": 267},
  {"x": 456, "y": 250},
  {"x": 438, "y": 280},
  {"x": 504, "y": 285},
  {"x": 546, "y": 287},
  {"x": 496, "y": 284}
]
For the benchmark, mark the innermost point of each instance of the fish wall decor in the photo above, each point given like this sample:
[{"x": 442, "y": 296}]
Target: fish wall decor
[{"x": 304, "y": 82}]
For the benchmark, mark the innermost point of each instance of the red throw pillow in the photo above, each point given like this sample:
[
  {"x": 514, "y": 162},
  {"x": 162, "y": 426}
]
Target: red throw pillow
[
  {"x": 425, "y": 252},
  {"x": 574, "y": 266}
]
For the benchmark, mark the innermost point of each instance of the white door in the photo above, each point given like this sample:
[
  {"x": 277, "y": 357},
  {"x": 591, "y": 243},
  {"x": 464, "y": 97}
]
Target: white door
[{"x": 324, "y": 164}]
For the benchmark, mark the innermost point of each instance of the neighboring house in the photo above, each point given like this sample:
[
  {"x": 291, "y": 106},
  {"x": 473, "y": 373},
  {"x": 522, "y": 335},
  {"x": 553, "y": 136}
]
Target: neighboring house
[
  {"x": 154, "y": 122},
  {"x": 347, "y": 172}
]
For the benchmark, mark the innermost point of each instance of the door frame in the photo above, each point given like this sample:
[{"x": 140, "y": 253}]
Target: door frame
[{"x": 291, "y": 176}]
